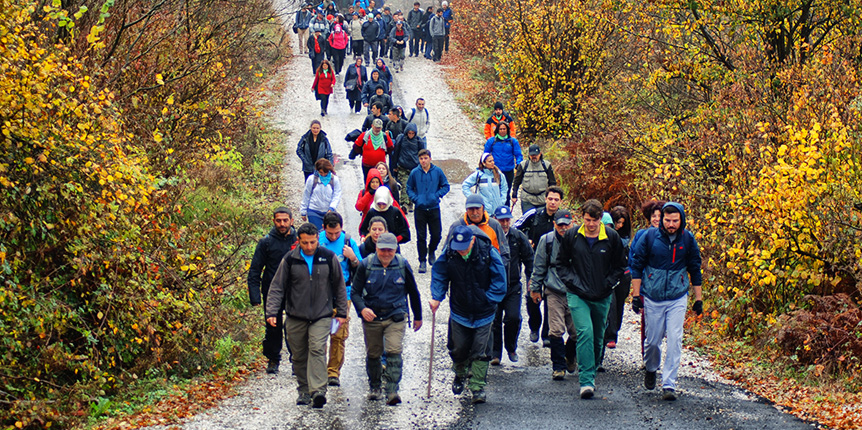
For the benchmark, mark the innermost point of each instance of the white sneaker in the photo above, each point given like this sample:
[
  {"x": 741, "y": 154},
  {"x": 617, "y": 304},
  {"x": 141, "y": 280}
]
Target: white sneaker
[{"x": 587, "y": 392}]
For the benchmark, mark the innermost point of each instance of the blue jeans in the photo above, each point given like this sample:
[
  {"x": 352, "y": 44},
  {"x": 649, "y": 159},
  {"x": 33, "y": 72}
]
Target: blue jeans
[
  {"x": 316, "y": 218},
  {"x": 664, "y": 318}
]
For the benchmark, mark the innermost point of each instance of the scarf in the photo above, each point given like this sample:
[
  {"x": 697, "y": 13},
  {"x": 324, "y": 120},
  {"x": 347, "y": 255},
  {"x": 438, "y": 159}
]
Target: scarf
[
  {"x": 326, "y": 75},
  {"x": 502, "y": 137},
  {"x": 376, "y": 140},
  {"x": 358, "y": 76},
  {"x": 324, "y": 179},
  {"x": 316, "y": 46}
]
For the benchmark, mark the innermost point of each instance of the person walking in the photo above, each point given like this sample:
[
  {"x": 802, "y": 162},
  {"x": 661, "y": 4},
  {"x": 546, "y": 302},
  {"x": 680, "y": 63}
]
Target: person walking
[
  {"x": 366, "y": 195},
  {"x": 419, "y": 116},
  {"x": 472, "y": 271},
  {"x": 354, "y": 29},
  {"x": 354, "y": 79},
  {"x": 338, "y": 41},
  {"x": 414, "y": 22},
  {"x": 399, "y": 37},
  {"x": 310, "y": 284},
  {"x": 448, "y": 17},
  {"x": 313, "y": 146},
  {"x": 499, "y": 116},
  {"x": 384, "y": 283},
  {"x": 372, "y": 145},
  {"x": 590, "y": 264},
  {"x": 437, "y": 30},
  {"x": 334, "y": 238},
  {"x": 324, "y": 79},
  {"x": 370, "y": 88},
  {"x": 376, "y": 113},
  {"x": 507, "y": 319},
  {"x": 300, "y": 26},
  {"x": 370, "y": 28},
  {"x": 384, "y": 100},
  {"x": 396, "y": 221},
  {"x": 388, "y": 179},
  {"x": 535, "y": 223},
  {"x": 507, "y": 154},
  {"x": 267, "y": 256},
  {"x": 396, "y": 125},
  {"x": 405, "y": 158},
  {"x": 385, "y": 72},
  {"x": 316, "y": 50},
  {"x": 319, "y": 24},
  {"x": 666, "y": 263},
  {"x": 321, "y": 194},
  {"x": 546, "y": 285},
  {"x": 488, "y": 182},
  {"x": 533, "y": 176},
  {"x": 427, "y": 41},
  {"x": 623, "y": 225},
  {"x": 426, "y": 185}
]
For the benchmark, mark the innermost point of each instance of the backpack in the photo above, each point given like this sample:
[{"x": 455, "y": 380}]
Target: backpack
[
  {"x": 400, "y": 260},
  {"x": 413, "y": 113},
  {"x": 545, "y": 165}
]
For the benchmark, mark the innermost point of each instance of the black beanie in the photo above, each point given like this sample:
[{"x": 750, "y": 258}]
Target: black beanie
[{"x": 498, "y": 105}]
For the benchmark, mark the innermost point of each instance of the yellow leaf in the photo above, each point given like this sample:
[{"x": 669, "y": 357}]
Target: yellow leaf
[
  {"x": 157, "y": 136},
  {"x": 159, "y": 79},
  {"x": 29, "y": 160},
  {"x": 171, "y": 99}
]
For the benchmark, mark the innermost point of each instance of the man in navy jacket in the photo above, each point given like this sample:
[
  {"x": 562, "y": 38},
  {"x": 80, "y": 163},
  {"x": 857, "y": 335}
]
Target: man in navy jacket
[{"x": 426, "y": 185}]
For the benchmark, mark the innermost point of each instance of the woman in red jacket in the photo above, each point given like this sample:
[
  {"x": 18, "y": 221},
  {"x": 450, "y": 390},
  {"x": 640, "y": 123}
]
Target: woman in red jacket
[{"x": 324, "y": 79}]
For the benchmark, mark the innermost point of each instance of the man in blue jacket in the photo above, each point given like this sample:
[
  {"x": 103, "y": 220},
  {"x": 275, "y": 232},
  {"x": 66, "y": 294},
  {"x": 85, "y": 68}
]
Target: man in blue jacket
[
  {"x": 267, "y": 256},
  {"x": 472, "y": 272},
  {"x": 664, "y": 261},
  {"x": 426, "y": 185}
]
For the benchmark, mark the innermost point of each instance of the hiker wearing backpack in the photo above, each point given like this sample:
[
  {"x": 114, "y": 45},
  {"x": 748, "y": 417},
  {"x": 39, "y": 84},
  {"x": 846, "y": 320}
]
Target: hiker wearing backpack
[
  {"x": 322, "y": 193},
  {"x": 399, "y": 36},
  {"x": 370, "y": 28},
  {"x": 419, "y": 116},
  {"x": 426, "y": 185},
  {"x": 376, "y": 227},
  {"x": 316, "y": 49},
  {"x": 507, "y": 154},
  {"x": 414, "y": 22},
  {"x": 338, "y": 43},
  {"x": 324, "y": 80},
  {"x": 376, "y": 113},
  {"x": 370, "y": 87},
  {"x": 499, "y": 116},
  {"x": 666, "y": 263},
  {"x": 384, "y": 100},
  {"x": 405, "y": 158},
  {"x": 366, "y": 196},
  {"x": 623, "y": 225},
  {"x": 396, "y": 125},
  {"x": 372, "y": 145},
  {"x": 533, "y": 176},
  {"x": 334, "y": 238},
  {"x": 300, "y": 26},
  {"x": 384, "y": 283},
  {"x": 313, "y": 146}
]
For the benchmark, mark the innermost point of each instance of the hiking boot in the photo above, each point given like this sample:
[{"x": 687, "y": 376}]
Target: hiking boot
[
  {"x": 546, "y": 343},
  {"x": 513, "y": 357},
  {"x": 479, "y": 396},
  {"x": 375, "y": 394},
  {"x": 457, "y": 385},
  {"x": 495, "y": 361},
  {"x": 668, "y": 394},
  {"x": 422, "y": 267},
  {"x": 558, "y": 375},
  {"x": 534, "y": 336},
  {"x": 572, "y": 366},
  {"x": 587, "y": 392},
  {"x": 431, "y": 258},
  {"x": 334, "y": 382},
  {"x": 649, "y": 380},
  {"x": 611, "y": 345},
  {"x": 272, "y": 367},
  {"x": 393, "y": 399},
  {"x": 303, "y": 399},
  {"x": 318, "y": 400}
]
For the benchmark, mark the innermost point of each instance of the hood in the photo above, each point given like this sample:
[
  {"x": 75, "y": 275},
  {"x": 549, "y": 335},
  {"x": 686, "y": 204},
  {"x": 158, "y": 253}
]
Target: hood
[
  {"x": 381, "y": 60},
  {"x": 383, "y": 195},
  {"x": 681, "y": 216},
  {"x": 373, "y": 173},
  {"x": 411, "y": 127}
]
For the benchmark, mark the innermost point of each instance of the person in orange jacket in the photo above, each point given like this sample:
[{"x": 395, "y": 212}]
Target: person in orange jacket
[{"x": 498, "y": 116}]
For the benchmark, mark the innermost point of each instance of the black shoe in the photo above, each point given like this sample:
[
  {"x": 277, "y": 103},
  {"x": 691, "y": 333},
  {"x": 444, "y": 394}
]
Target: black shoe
[
  {"x": 546, "y": 343},
  {"x": 457, "y": 386},
  {"x": 422, "y": 267},
  {"x": 431, "y": 258},
  {"x": 649, "y": 380},
  {"x": 601, "y": 369},
  {"x": 393, "y": 399},
  {"x": 513, "y": 357},
  {"x": 318, "y": 400},
  {"x": 272, "y": 367},
  {"x": 334, "y": 381},
  {"x": 303, "y": 399},
  {"x": 479, "y": 396},
  {"x": 668, "y": 394}
]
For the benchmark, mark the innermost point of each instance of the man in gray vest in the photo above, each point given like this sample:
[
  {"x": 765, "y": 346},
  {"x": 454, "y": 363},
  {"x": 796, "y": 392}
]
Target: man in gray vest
[{"x": 533, "y": 176}]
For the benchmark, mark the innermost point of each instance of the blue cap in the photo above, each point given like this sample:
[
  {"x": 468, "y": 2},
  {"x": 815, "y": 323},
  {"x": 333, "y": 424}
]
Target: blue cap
[
  {"x": 475, "y": 201},
  {"x": 503, "y": 212},
  {"x": 462, "y": 236}
]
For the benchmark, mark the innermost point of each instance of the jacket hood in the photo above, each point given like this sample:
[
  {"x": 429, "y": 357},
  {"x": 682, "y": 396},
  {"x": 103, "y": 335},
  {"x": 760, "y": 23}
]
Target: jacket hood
[
  {"x": 383, "y": 195},
  {"x": 681, "y": 210},
  {"x": 373, "y": 173},
  {"x": 411, "y": 127}
]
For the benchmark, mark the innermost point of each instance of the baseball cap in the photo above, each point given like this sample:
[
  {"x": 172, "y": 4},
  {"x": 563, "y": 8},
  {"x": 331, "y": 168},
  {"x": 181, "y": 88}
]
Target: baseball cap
[
  {"x": 563, "y": 216},
  {"x": 535, "y": 150},
  {"x": 387, "y": 241},
  {"x": 475, "y": 201},
  {"x": 503, "y": 212},
  {"x": 461, "y": 238}
]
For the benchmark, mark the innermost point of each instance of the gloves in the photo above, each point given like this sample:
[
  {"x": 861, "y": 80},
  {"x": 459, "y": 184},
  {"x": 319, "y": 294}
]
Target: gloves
[
  {"x": 637, "y": 304},
  {"x": 698, "y": 307}
]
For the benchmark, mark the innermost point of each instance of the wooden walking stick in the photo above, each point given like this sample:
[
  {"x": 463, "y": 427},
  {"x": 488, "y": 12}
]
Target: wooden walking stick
[{"x": 431, "y": 355}]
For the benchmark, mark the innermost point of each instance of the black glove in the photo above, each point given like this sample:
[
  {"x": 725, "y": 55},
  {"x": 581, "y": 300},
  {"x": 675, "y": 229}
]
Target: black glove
[
  {"x": 637, "y": 304},
  {"x": 698, "y": 307}
]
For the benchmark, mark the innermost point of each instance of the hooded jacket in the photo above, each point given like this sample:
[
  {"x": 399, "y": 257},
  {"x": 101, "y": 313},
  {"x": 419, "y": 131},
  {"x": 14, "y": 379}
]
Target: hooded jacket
[
  {"x": 405, "y": 154},
  {"x": 385, "y": 73},
  {"x": 319, "y": 197},
  {"x": 303, "y": 150},
  {"x": 338, "y": 38},
  {"x": 482, "y": 182},
  {"x": 662, "y": 262},
  {"x": 395, "y": 219},
  {"x": 475, "y": 284},
  {"x": 267, "y": 256},
  {"x": 366, "y": 195},
  {"x": 436, "y": 26},
  {"x": 591, "y": 272},
  {"x": 371, "y": 85},
  {"x": 308, "y": 297},
  {"x": 425, "y": 189},
  {"x": 506, "y": 152}
]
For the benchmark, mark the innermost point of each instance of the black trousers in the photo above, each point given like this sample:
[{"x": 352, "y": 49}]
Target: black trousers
[
  {"x": 338, "y": 59},
  {"x": 273, "y": 337},
  {"x": 465, "y": 343},
  {"x": 324, "y": 101},
  {"x": 618, "y": 303},
  {"x": 354, "y": 99},
  {"x": 427, "y": 221},
  {"x": 510, "y": 176},
  {"x": 438, "y": 47},
  {"x": 507, "y": 323},
  {"x": 357, "y": 46},
  {"x": 315, "y": 62},
  {"x": 534, "y": 316},
  {"x": 414, "y": 44}
]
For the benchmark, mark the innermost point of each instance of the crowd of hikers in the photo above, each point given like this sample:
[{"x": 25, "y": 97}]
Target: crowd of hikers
[{"x": 580, "y": 266}]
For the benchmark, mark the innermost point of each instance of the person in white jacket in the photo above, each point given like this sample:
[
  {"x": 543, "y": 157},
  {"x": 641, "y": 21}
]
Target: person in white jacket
[{"x": 322, "y": 193}]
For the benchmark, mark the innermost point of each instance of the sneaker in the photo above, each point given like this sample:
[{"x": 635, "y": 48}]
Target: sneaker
[
  {"x": 495, "y": 361},
  {"x": 649, "y": 380},
  {"x": 611, "y": 345},
  {"x": 587, "y": 392},
  {"x": 546, "y": 343},
  {"x": 375, "y": 394},
  {"x": 668, "y": 394},
  {"x": 457, "y": 386},
  {"x": 303, "y": 399},
  {"x": 272, "y": 367},
  {"x": 534, "y": 336},
  {"x": 513, "y": 357},
  {"x": 393, "y": 399},
  {"x": 479, "y": 396},
  {"x": 431, "y": 258},
  {"x": 558, "y": 375},
  {"x": 334, "y": 382},
  {"x": 318, "y": 400},
  {"x": 422, "y": 267}
]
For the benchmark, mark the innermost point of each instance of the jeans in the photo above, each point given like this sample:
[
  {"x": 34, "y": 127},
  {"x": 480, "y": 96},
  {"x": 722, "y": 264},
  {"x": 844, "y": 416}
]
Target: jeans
[
  {"x": 438, "y": 47},
  {"x": 316, "y": 218},
  {"x": 429, "y": 46},
  {"x": 664, "y": 318},
  {"x": 357, "y": 47},
  {"x": 589, "y": 317},
  {"x": 372, "y": 48},
  {"x": 308, "y": 342},
  {"x": 414, "y": 44},
  {"x": 427, "y": 219},
  {"x": 315, "y": 62},
  {"x": 507, "y": 324}
]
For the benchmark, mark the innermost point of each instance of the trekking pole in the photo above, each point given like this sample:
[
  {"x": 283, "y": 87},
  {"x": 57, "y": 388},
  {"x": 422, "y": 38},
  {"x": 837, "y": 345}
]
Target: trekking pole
[{"x": 431, "y": 356}]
